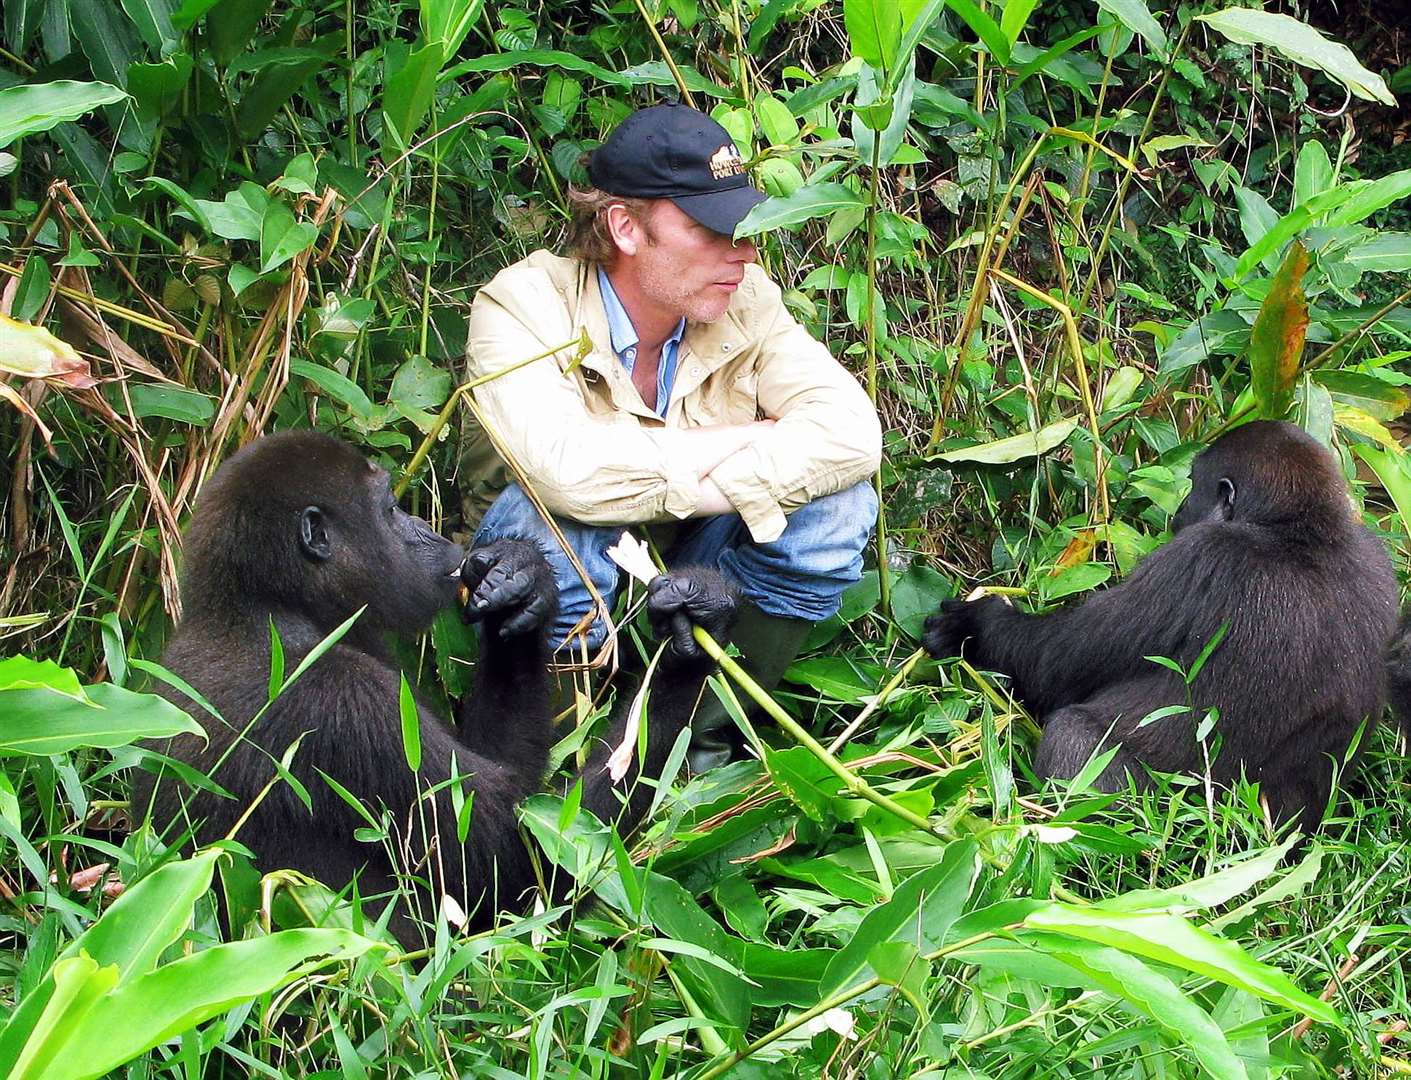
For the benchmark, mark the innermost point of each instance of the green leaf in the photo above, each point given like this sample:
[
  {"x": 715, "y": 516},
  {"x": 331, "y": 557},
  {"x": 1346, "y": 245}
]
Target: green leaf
[
  {"x": 33, "y": 289},
  {"x": 916, "y": 594},
  {"x": 1394, "y": 472},
  {"x": 282, "y": 237},
  {"x": 25, "y": 110},
  {"x": 42, "y": 722},
  {"x": 722, "y": 994},
  {"x": 874, "y": 31},
  {"x": 420, "y": 384},
  {"x": 107, "y": 37},
  {"x": 280, "y": 73},
  {"x": 411, "y": 725},
  {"x": 408, "y": 94},
  {"x": 920, "y": 911},
  {"x": 508, "y": 61},
  {"x": 900, "y": 964},
  {"x": 1136, "y": 17},
  {"x": 240, "y": 216},
  {"x": 1171, "y": 940},
  {"x": 1076, "y": 579},
  {"x": 22, "y": 673},
  {"x": 78, "y": 984},
  {"x": 1015, "y": 17},
  {"x": 1366, "y": 197},
  {"x": 335, "y": 385},
  {"x": 1276, "y": 341},
  {"x": 156, "y": 88},
  {"x": 1312, "y": 172},
  {"x": 808, "y": 202},
  {"x": 173, "y": 402},
  {"x": 1153, "y": 996},
  {"x": 1382, "y": 253},
  {"x": 153, "y": 21},
  {"x": 447, "y": 22},
  {"x": 1015, "y": 447},
  {"x": 1303, "y": 45},
  {"x": 985, "y": 27},
  {"x": 231, "y": 25}
]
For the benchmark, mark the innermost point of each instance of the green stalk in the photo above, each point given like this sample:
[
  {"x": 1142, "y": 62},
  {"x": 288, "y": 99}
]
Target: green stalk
[
  {"x": 430, "y": 245},
  {"x": 884, "y": 577},
  {"x": 854, "y": 783}
]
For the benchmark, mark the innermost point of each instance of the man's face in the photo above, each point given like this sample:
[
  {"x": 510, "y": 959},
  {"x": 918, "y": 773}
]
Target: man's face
[{"x": 686, "y": 268}]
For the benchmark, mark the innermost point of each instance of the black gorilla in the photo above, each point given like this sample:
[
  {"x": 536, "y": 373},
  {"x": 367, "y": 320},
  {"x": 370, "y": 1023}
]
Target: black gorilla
[
  {"x": 1268, "y": 543},
  {"x": 300, "y": 530}
]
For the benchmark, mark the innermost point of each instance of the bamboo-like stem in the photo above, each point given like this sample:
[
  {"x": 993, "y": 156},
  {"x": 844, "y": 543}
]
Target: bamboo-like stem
[
  {"x": 884, "y": 576},
  {"x": 447, "y": 410},
  {"x": 1075, "y": 346},
  {"x": 666, "y": 55},
  {"x": 854, "y": 783}
]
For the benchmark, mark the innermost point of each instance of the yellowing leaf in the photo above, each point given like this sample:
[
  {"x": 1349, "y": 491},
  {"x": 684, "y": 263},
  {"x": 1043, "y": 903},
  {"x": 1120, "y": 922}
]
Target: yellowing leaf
[
  {"x": 31, "y": 352},
  {"x": 1276, "y": 340}
]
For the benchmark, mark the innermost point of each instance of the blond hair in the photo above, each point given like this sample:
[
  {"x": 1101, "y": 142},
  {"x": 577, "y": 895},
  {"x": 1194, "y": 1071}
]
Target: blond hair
[{"x": 588, "y": 235}]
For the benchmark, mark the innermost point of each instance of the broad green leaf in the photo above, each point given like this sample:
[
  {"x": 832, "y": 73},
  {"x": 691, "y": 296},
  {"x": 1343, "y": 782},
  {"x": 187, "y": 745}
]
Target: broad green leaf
[
  {"x": 22, "y": 673},
  {"x": 282, "y": 237},
  {"x": 408, "y": 95},
  {"x": 916, "y": 594},
  {"x": 156, "y": 88},
  {"x": 1257, "y": 217},
  {"x": 1312, "y": 172},
  {"x": 132, "y": 934},
  {"x": 1205, "y": 892},
  {"x": 1076, "y": 579},
  {"x": 1365, "y": 392},
  {"x": 1276, "y": 340},
  {"x": 173, "y": 402},
  {"x": 239, "y": 216},
  {"x": 920, "y": 911},
  {"x": 808, "y": 202},
  {"x": 893, "y": 132},
  {"x": 1268, "y": 235},
  {"x": 1153, "y": 996},
  {"x": 508, "y": 61},
  {"x": 44, "y": 722},
  {"x": 108, "y": 39},
  {"x": 723, "y": 995},
  {"x": 1382, "y": 253},
  {"x": 1394, "y": 472},
  {"x": 804, "y": 780},
  {"x": 420, "y": 384},
  {"x": 775, "y": 120},
  {"x": 1136, "y": 16},
  {"x": 874, "y": 31},
  {"x": 447, "y": 22},
  {"x": 25, "y": 110},
  {"x": 153, "y": 21},
  {"x": 280, "y": 73},
  {"x": 1016, "y": 17},
  {"x": 335, "y": 385},
  {"x": 1171, "y": 940},
  {"x": 1366, "y": 197},
  {"x": 33, "y": 289},
  {"x": 785, "y": 976},
  {"x": 1162, "y": 143},
  {"x": 144, "y": 1012},
  {"x": 231, "y": 25},
  {"x": 900, "y": 964},
  {"x": 1015, "y": 447},
  {"x": 985, "y": 27},
  {"x": 78, "y": 985},
  {"x": 1303, "y": 45}
]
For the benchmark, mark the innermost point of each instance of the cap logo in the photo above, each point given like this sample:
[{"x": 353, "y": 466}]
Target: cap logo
[{"x": 726, "y": 162}]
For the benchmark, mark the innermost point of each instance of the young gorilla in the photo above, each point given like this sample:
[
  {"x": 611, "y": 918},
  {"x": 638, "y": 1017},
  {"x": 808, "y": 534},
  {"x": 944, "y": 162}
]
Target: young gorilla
[
  {"x": 1268, "y": 542},
  {"x": 299, "y": 529}
]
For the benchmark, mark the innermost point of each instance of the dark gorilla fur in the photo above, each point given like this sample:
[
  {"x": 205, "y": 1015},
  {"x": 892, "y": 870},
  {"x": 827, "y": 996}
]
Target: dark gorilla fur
[
  {"x": 300, "y": 529},
  {"x": 1268, "y": 542}
]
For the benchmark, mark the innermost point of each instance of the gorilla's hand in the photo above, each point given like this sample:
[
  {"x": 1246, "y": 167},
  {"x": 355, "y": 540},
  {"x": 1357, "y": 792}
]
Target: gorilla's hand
[
  {"x": 692, "y": 595},
  {"x": 955, "y": 623},
  {"x": 508, "y": 581}
]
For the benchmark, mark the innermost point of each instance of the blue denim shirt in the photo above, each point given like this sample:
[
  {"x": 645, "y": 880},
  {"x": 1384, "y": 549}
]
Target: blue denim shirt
[{"x": 624, "y": 342}]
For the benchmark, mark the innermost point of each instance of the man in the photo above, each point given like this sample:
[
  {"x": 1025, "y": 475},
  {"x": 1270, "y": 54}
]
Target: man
[{"x": 701, "y": 403}]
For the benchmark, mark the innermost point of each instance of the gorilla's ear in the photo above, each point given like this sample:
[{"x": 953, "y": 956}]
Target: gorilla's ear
[
  {"x": 1226, "y": 488},
  {"x": 313, "y": 537}
]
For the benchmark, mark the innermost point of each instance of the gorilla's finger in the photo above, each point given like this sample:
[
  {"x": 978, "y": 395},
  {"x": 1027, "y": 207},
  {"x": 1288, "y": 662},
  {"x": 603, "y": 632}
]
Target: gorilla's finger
[{"x": 682, "y": 639}]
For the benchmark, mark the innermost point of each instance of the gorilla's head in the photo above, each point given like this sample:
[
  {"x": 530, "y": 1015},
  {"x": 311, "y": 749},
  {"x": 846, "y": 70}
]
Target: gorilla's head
[{"x": 302, "y": 522}]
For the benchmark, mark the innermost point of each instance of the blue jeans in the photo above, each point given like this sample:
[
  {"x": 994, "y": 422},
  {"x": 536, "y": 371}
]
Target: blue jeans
[{"x": 801, "y": 575}]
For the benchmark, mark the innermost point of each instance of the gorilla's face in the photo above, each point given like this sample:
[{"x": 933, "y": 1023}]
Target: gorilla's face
[{"x": 414, "y": 571}]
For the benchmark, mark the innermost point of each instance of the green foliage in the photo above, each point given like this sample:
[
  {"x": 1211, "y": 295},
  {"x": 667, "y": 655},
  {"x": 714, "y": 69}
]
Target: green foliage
[{"x": 1061, "y": 243}]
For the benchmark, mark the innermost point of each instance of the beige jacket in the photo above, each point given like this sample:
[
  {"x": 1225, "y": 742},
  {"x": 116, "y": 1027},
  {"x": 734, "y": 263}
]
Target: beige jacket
[{"x": 592, "y": 448}]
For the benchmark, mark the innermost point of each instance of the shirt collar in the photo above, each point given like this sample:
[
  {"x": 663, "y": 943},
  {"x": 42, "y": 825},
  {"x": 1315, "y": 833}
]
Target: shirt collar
[{"x": 620, "y": 328}]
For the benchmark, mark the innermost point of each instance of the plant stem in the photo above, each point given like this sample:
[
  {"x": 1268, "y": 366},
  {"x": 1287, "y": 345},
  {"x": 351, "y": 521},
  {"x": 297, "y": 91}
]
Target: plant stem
[{"x": 884, "y": 576}]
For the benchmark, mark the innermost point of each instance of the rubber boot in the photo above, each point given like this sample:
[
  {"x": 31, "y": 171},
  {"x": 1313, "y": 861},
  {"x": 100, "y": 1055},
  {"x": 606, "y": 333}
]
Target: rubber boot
[{"x": 768, "y": 645}]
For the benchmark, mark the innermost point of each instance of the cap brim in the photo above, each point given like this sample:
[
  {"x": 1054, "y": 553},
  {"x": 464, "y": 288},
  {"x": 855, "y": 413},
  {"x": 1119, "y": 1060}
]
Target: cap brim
[{"x": 720, "y": 210}]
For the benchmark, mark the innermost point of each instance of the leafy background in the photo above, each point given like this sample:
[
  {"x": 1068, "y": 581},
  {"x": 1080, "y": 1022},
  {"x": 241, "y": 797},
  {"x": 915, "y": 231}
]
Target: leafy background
[{"x": 1062, "y": 244}]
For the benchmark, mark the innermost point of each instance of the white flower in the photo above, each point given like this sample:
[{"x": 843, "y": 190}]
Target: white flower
[{"x": 635, "y": 557}]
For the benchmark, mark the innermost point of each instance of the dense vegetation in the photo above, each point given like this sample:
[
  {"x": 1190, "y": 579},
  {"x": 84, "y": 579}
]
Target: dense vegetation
[{"x": 1062, "y": 244}]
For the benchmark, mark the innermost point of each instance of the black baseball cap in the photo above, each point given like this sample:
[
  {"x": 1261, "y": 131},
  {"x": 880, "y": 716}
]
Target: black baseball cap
[{"x": 676, "y": 152}]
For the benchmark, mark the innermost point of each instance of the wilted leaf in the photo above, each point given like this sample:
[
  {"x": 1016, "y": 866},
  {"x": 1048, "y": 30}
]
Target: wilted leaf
[
  {"x": 32, "y": 352},
  {"x": 1276, "y": 341},
  {"x": 1014, "y": 448}
]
